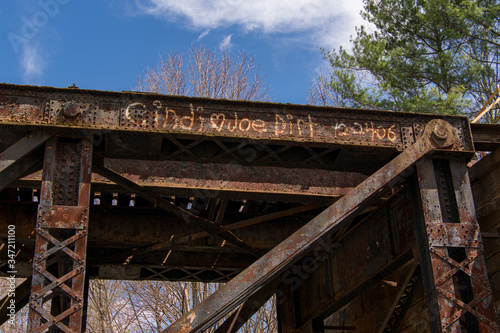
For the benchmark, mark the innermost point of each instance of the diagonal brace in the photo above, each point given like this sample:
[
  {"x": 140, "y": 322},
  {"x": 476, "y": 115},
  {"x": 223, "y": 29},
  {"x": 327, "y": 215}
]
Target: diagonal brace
[
  {"x": 248, "y": 309},
  {"x": 437, "y": 134},
  {"x": 153, "y": 197},
  {"x": 18, "y": 159}
]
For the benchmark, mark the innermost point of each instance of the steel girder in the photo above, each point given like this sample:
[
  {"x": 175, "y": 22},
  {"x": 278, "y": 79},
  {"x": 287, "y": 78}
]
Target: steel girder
[
  {"x": 451, "y": 250},
  {"x": 199, "y": 119},
  {"x": 233, "y": 181},
  {"x": 377, "y": 246},
  {"x": 61, "y": 238}
]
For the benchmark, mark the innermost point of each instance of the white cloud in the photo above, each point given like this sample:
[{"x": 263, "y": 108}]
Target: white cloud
[
  {"x": 203, "y": 34},
  {"x": 325, "y": 21},
  {"x": 226, "y": 43},
  {"x": 32, "y": 64}
]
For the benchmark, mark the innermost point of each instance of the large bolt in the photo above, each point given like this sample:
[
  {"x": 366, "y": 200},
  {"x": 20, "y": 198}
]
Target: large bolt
[
  {"x": 71, "y": 109},
  {"x": 443, "y": 134}
]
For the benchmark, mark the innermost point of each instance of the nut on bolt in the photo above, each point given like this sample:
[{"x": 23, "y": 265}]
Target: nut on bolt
[
  {"x": 440, "y": 132},
  {"x": 443, "y": 134}
]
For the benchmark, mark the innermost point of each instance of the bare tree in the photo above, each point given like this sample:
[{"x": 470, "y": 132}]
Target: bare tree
[
  {"x": 109, "y": 309},
  {"x": 206, "y": 73},
  {"x": 320, "y": 94},
  {"x": 168, "y": 77},
  {"x": 214, "y": 74}
]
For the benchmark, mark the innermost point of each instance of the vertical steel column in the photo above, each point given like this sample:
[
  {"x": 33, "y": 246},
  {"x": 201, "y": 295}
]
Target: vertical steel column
[
  {"x": 61, "y": 237},
  {"x": 451, "y": 250}
]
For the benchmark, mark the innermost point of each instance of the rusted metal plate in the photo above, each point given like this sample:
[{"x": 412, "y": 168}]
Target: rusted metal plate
[
  {"x": 402, "y": 221},
  {"x": 366, "y": 251},
  {"x": 195, "y": 116},
  {"x": 18, "y": 108},
  {"x": 453, "y": 234},
  {"x": 63, "y": 217}
]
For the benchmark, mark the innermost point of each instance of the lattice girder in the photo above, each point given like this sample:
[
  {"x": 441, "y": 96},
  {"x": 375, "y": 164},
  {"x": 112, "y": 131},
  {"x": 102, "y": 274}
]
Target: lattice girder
[
  {"x": 61, "y": 238},
  {"x": 451, "y": 250}
]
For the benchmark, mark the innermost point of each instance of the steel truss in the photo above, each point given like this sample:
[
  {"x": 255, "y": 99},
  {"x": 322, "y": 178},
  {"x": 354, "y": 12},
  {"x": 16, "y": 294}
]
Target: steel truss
[
  {"x": 152, "y": 146},
  {"x": 437, "y": 134}
]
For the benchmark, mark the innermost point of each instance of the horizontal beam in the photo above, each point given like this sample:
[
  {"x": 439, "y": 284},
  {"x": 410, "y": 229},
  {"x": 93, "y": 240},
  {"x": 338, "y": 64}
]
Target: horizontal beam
[
  {"x": 486, "y": 136},
  {"x": 209, "y": 178},
  {"x": 153, "y": 113},
  {"x": 129, "y": 227},
  {"x": 222, "y": 180}
]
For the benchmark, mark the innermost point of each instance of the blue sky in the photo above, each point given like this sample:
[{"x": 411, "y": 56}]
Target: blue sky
[{"x": 106, "y": 44}]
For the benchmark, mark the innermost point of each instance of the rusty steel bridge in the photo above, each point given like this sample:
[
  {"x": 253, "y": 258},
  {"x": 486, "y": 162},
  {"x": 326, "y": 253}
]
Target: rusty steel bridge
[{"x": 319, "y": 206}]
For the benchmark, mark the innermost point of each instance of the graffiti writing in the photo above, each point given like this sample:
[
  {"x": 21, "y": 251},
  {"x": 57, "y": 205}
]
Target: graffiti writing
[
  {"x": 367, "y": 129},
  {"x": 197, "y": 119}
]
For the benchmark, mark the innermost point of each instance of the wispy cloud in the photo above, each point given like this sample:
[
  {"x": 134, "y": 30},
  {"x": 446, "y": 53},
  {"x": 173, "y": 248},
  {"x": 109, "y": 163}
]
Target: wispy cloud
[
  {"x": 32, "y": 64},
  {"x": 25, "y": 40},
  {"x": 203, "y": 34},
  {"x": 226, "y": 43},
  {"x": 324, "y": 20}
]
